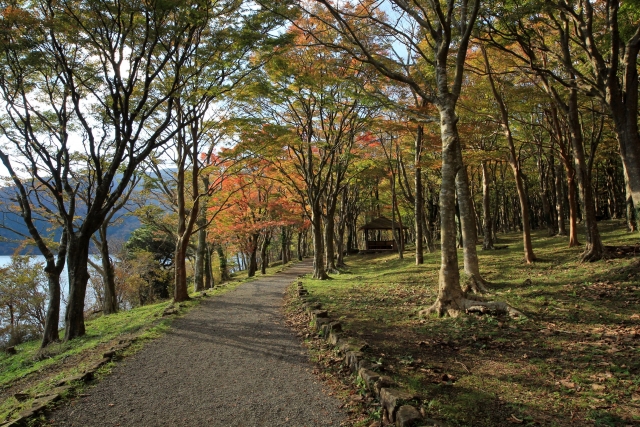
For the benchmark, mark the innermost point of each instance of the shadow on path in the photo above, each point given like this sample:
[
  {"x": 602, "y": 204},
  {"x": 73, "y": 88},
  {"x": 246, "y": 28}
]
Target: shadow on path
[{"x": 229, "y": 362}]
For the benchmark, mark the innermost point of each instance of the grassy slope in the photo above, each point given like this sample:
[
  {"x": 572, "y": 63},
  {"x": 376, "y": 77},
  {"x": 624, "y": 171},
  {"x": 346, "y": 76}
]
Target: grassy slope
[
  {"x": 574, "y": 361},
  {"x": 34, "y": 372}
]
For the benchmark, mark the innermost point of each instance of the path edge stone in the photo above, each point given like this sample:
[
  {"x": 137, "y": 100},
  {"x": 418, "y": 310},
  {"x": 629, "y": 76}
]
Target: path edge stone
[{"x": 400, "y": 408}]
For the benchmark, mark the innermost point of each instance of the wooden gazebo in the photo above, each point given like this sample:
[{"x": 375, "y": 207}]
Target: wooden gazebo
[{"x": 374, "y": 241}]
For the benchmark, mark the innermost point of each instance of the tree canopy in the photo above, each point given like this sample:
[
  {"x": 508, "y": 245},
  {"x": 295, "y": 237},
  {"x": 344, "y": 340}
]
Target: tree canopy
[{"x": 254, "y": 124}]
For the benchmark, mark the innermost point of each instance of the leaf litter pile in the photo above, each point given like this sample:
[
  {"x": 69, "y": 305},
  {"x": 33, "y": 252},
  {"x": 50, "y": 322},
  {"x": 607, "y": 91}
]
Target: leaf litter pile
[{"x": 573, "y": 361}]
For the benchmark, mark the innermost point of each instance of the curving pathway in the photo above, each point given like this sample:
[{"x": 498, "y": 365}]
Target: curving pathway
[{"x": 229, "y": 362}]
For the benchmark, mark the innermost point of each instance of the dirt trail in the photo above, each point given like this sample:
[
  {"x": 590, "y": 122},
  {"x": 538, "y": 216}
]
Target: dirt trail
[{"x": 229, "y": 362}]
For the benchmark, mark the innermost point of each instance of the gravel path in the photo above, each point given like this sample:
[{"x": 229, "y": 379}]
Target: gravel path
[{"x": 229, "y": 362}]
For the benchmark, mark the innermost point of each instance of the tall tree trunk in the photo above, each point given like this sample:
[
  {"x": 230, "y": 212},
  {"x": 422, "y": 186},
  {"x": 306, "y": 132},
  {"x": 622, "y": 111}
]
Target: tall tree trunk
[
  {"x": 573, "y": 205},
  {"x": 529, "y": 256},
  {"x": 342, "y": 226},
  {"x": 208, "y": 273},
  {"x": 429, "y": 217},
  {"x": 395, "y": 230},
  {"x": 180, "y": 290},
  {"x": 487, "y": 242},
  {"x": 299, "y": 251},
  {"x": 469, "y": 233},
  {"x": 450, "y": 293},
  {"x": 201, "y": 251},
  {"x": 418, "y": 207},
  {"x": 612, "y": 191},
  {"x": 77, "y": 267},
  {"x": 110, "y": 303},
  {"x": 551, "y": 186},
  {"x": 253, "y": 256},
  {"x": 544, "y": 196},
  {"x": 284, "y": 242},
  {"x": 496, "y": 205},
  {"x": 629, "y": 141},
  {"x": 623, "y": 103},
  {"x": 340, "y": 249},
  {"x": 319, "y": 271},
  {"x": 52, "y": 321},
  {"x": 264, "y": 258},
  {"x": 305, "y": 243},
  {"x": 632, "y": 218},
  {"x": 53, "y": 270},
  {"x": 562, "y": 231},
  {"x": 222, "y": 262},
  {"x": 186, "y": 217},
  {"x": 329, "y": 248},
  {"x": 593, "y": 249}
]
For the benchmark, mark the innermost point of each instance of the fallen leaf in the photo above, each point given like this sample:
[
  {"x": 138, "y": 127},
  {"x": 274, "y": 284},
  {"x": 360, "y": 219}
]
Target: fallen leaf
[
  {"x": 568, "y": 384},
  {"x": 597, "y": 387}
]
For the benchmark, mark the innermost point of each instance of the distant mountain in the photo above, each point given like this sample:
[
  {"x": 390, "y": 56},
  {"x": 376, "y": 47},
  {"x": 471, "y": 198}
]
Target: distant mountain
[{"x": 119, "y": 231}]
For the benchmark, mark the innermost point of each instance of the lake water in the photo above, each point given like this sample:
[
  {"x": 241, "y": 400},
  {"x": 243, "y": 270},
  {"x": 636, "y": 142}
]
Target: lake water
[{"x": 64, "y": 279}]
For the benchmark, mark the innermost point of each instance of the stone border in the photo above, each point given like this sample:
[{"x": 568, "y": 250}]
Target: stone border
[
  {"x": 399, "y": 407},
  {"x": 43, "y": 402}
]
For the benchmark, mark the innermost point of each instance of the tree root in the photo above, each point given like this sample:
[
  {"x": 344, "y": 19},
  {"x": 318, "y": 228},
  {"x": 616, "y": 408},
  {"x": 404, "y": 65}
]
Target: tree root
[
  {"x": 470, "y": 304},
  {"x": 320, "y": 275},
  {"x": 491, "y": 307},
  {"x": 332, "y": 270},
  {"x": 591, "y": 254},
  {"x": 475, "y": 284}
]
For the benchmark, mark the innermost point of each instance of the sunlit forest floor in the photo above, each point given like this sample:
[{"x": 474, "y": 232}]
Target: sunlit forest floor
[{"x": 575, "y": 359}]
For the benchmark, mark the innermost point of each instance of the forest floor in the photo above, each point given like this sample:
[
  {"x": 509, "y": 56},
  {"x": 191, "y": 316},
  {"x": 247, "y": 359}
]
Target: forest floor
[{"x": 573, "y": 361}]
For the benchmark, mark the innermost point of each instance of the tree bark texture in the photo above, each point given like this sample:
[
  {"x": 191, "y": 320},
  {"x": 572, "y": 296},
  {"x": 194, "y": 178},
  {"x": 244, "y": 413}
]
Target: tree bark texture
[
  {"x": 487, "y": 221},
  {"x": 319, "y": 271},
  {"x": 180, "y": 291},
  {"x": 329, "y": 248},
  {"x": 468, "y": 228},
  {"x": 418, "y": 206},
  {"x": 201, "y": 252},
  {"x": 299, "y": 250},
  {"x": 529, "y": 256},
  {"x": 77, "y": 256},
  {"x": 222, "y": 262},
  {"x": 264, "y": 258},
  {"x": 562, "y": 230},
  {"x": 544, "y": 196},
  {"x": 593, "y": 249},
  {"x": 449, "y": 291},
  {"x": 253, "y": 256},
  {"x": 110, "y": 303}
]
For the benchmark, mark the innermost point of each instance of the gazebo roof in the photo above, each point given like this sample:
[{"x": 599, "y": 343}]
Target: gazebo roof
[{"x": 381, "y": 223}]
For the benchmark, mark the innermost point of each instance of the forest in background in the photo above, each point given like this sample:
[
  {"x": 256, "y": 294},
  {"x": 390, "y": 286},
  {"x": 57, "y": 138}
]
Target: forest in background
[{"x": 286, "y": 129}]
